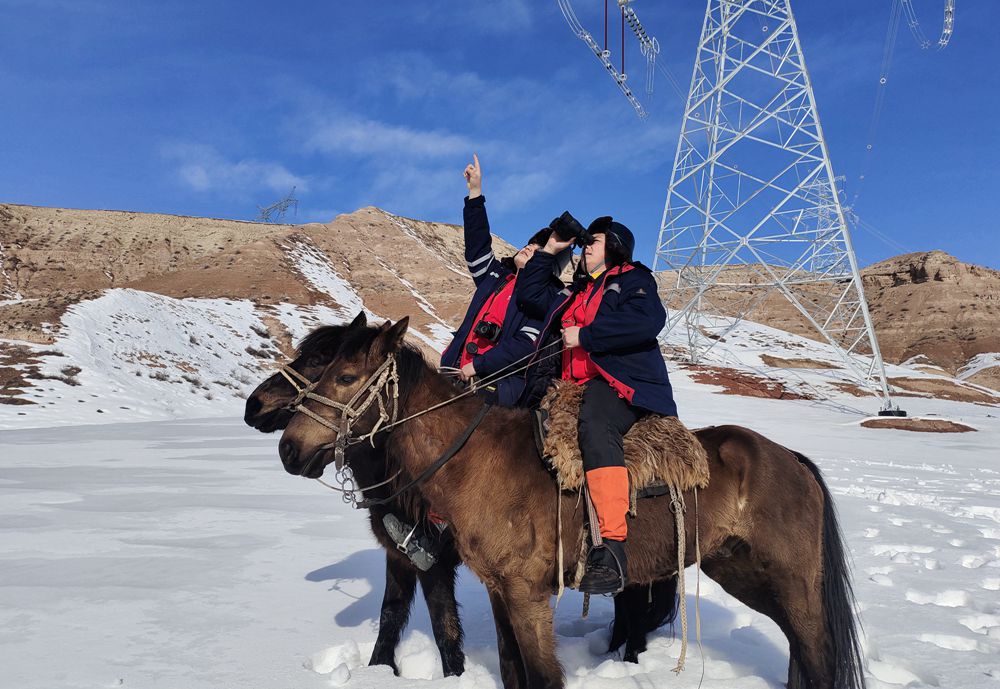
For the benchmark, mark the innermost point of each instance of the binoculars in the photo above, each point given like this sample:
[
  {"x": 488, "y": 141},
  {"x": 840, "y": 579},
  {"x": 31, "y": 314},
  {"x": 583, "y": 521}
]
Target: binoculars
[{"x": 566, "y": 227}]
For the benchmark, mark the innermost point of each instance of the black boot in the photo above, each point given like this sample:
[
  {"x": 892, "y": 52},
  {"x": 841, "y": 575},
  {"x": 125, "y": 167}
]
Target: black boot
[
  {"x": 412, "y": 541},
  {"x": 606, "y": 569}
]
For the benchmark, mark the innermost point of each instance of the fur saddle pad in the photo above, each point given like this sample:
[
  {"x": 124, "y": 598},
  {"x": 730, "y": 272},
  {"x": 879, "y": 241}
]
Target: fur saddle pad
[{"x": 657, "y": 448}]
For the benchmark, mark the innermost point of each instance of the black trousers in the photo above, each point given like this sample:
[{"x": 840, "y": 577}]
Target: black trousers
[{"x": 605, "y": 418}]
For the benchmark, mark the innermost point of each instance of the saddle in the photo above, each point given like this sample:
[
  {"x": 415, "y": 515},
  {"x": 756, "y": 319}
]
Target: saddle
[{"x": 660, "y": 451}]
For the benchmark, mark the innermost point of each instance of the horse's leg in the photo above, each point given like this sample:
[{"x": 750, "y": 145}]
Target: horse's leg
[
  {"x": 400, "y": 585},
  {"x": 511, "y": 663},
  {"x": 531, "y": 618},
  {"x": 631, "y": 622},
  {"x": 656, "y": 607},
  {"x": 626, "y": 606},
  {"x": 785, "y": 596},
  {"x": 438, "y": 584},
  {"x": 802, "y": 603}
]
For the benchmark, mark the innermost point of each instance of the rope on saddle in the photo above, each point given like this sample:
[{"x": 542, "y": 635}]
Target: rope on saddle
[
  {"x": 697, "y": 589},
  {"x": 559, "y": 543},
  {"x": 677, "y": 507}
]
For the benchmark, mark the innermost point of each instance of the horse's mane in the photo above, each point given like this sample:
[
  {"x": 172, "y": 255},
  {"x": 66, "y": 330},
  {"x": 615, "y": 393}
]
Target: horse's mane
[{"x": 321, "y": 339}]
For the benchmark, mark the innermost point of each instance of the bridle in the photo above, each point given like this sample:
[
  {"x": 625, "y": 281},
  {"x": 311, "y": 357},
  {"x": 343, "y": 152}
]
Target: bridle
[{"x": 384, "y": 379}]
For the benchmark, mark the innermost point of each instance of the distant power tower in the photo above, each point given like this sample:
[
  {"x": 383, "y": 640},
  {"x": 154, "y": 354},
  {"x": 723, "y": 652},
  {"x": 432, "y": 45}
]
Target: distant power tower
[
  {"x": 276, "y": 211},
  {"x": 753, "y": 207}
]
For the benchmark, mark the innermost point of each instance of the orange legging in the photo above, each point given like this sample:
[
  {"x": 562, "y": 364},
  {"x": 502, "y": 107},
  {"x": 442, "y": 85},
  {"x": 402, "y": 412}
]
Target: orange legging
[{"x": 609, "y": 490}]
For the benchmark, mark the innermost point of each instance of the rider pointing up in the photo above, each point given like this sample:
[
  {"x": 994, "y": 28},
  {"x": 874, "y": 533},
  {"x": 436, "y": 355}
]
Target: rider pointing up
[
  {"x": 494, "y": 338},
  {"x": 496, "y": 333},
  {"x": 609, "y": 323}
]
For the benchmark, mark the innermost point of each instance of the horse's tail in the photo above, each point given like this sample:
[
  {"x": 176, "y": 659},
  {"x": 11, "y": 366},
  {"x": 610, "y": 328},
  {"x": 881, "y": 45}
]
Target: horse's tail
[{"x": 838, "y": 594}]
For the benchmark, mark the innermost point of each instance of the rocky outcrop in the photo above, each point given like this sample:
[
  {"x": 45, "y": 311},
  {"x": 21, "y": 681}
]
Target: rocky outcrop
[{"x": 932, "y": 304}]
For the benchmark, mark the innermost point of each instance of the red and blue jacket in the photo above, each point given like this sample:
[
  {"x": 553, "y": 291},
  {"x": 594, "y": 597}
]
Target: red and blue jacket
[
  {"x": 519, "y": 332},
  {"x": 621, "y": 337}
]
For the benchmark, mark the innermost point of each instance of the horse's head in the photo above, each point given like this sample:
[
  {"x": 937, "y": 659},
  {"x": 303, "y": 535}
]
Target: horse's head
[
  {"x": 267, "y": 407},
  {"x": 355, "y": 387}
]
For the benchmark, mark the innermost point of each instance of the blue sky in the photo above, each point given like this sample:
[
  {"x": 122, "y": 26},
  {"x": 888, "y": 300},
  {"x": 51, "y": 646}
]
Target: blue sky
[{"x": 213, "y": 108}]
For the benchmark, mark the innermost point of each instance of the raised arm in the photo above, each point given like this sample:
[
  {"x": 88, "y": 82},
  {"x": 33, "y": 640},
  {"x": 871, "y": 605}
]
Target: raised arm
[
  {"x": 535, "y": 291},
  {"x": 478, "y": 240}
]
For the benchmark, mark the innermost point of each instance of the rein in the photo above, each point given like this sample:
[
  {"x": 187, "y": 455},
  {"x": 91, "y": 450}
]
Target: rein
[{"x": 438, "y": 463}]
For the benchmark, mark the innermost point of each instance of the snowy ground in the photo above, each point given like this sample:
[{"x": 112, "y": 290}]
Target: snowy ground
[{"x": 178, "y": 554}]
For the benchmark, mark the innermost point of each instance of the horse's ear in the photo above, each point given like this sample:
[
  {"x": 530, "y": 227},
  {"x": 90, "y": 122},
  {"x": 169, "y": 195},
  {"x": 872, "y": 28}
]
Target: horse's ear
[
  {"x": 390, "y": 340},
  {"x": 360, "y": 321},
  {"x": 385, "y": 327}
]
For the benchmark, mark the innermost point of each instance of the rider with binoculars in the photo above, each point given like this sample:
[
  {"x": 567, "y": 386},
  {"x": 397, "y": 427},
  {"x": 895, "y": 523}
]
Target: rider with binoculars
[{"x": 609, "y": 321}]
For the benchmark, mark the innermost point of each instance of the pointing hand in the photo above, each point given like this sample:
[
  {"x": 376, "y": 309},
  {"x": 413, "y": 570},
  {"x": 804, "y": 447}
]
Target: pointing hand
[{"x": 474, "y": 177}]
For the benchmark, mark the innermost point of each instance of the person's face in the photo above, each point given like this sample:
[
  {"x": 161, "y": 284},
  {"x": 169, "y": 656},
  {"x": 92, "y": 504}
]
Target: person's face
[
  {"x": 522, "y": 257},
  {"x": 593, "y": 253}
]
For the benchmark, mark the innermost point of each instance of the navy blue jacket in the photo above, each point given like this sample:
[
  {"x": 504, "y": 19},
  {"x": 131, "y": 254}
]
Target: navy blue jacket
[
  {"x": 622, "y": 338},
  {"x": 519, "y": 332}
]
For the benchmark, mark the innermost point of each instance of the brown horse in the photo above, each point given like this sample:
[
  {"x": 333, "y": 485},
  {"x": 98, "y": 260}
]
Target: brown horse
[
  {"x": 766, "y": 524},
  {"x": 267, "y": 410},
  {"x": 638, "y": 610}
]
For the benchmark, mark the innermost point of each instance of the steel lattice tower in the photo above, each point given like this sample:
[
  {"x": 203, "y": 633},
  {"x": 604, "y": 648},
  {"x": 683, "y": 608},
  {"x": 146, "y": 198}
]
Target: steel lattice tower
[{"x": 753, "y": 207}]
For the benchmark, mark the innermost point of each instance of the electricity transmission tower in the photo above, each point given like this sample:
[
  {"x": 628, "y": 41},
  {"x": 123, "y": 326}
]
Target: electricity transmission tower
[
  {"x": 276, "y": 211},
  {"x": 753, "y": 208}
]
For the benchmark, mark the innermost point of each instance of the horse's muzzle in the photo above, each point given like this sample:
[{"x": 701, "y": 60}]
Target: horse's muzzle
[
  {"x": 289, "y": 454},
  {"x": 310, "y": 466},
  {"x": 253, "y": 407}
]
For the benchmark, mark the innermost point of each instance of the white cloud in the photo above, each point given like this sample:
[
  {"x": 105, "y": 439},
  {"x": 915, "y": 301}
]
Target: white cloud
[
  {"x": 515, "y": 190},
  {"x": 492, "y": 17},
  {"x": 203, "y": 169},
  {"x": 347, "y": 133}
]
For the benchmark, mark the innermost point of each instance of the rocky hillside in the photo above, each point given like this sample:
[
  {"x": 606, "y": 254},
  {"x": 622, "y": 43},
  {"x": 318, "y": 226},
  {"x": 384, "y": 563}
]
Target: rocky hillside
[
  {"x": 53, "y": 258},
  {"x": 931, "y": 307},
  {"x": 155, "y": 294},
  {"x": 139, "y": 306}
]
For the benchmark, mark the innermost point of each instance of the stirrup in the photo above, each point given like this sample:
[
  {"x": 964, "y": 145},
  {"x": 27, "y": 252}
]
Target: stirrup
[{"x": 409, "y": 542}]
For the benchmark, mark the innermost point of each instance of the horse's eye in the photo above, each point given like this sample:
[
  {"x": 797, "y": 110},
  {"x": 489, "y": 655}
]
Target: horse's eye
[{"x": 346, "y": 380}]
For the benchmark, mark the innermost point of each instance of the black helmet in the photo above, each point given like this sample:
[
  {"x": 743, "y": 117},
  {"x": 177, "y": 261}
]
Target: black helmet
[{"x": 619, "y": 241}]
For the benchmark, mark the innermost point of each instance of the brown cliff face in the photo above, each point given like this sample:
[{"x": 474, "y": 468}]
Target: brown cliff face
[
  {"x": 933, "y": 304},
  {"x": 927, "y": 304}
]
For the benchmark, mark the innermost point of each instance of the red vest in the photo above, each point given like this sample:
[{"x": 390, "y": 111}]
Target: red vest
[
  {"x": 494, "y": 311},
  {"x": 577, "y": 364}
]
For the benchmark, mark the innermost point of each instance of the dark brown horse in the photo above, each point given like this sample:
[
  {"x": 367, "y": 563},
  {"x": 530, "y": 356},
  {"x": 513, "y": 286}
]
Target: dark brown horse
[
  {"x": 767, "y": 529},
  {"x": 638, "y": 610},
  {"x": 267, "y": 410}
]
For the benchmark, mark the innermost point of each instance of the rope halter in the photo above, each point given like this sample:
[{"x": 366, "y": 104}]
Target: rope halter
[{"x": 384, "y": 379}]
